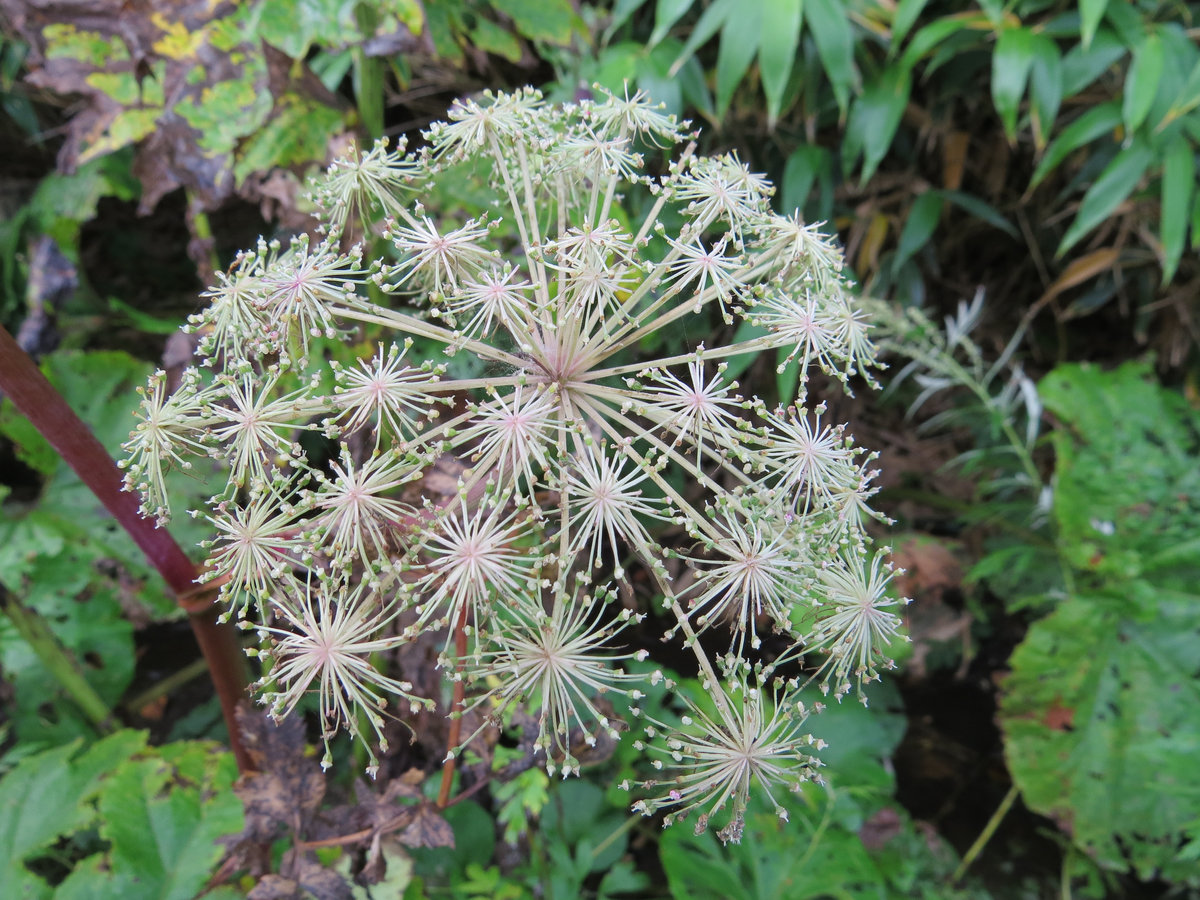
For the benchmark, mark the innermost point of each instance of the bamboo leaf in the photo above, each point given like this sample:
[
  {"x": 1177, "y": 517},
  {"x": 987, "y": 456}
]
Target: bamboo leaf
[
  {"x": 922, "y": 220},
  {"x": 1045, "y": 88},
  {"x": 1141, "y": 84},
  {"x": 907, "y": 13},
  {"x": 981, "y": 209},
  {"x": 1091, "y": 125},
  {"x": 666, "y": 14},
  {"x": 1108, "y": 192},
  {"x": 829, "y": 24},
  {"x": 1011, "y": 63},
  {"x": 1178, "y": 184},
  {"x": 710, "y": 22},
  {"x": 739, "y": 43},
  {"x": 780, "y": 38},
  {"x": 1090, "y": 14},
  {"x": 873, "y": 121}
]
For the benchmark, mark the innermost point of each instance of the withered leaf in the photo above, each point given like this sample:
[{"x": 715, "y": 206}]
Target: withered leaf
[
  {"x": 428, "y": 828},
  {"x": 190, "y": 83},
  {"x": 288, "y": 786}
]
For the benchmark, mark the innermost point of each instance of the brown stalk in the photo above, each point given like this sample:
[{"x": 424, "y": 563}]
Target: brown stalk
[
  {"x": 456, "y": 706},
  {"x": 54, "y": 419}
]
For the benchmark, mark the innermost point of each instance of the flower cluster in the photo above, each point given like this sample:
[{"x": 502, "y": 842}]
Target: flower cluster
[{"x": 547, "y": 354}]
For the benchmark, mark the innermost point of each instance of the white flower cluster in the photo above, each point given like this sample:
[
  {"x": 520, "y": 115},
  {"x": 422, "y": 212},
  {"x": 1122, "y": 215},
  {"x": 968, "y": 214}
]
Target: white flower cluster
[{"x": 547, "y": 353}]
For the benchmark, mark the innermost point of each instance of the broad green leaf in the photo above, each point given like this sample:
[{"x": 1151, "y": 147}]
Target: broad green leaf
[
  {"x": 1126, "y": 474},
  {"x": 1108, "y": 192},
  {"x": 874, "y": 118},
  {"x": 162, "y": 815},
  {"x": 551, "y": 21},
  {"x": 1090, "y": 14},
  {"x": 1178, "y": 183},
  {"x": 922, "y": 220},
  {"x": 907, "y": 13},
  {"x": 739, "y": 43},
  {"x": 1096, "y": 122},
  {"x": 1011, "y": 62},
  {"x": 491, "y": 38},
  {"x": 1045, "y": 88},
  {"x": 711, "y": 21},
  {"x": 1141, "y": 83},
  {"x": 45, "y": 797},
  {"x": 781, "y": 36},
  {"x": 981, "y": 209},
  {"x": 1101, "y": 716},
  {"x": 829, "y": 24},
  {"x": 297, "y": 132},
  {"x": 666, "y": 14}
]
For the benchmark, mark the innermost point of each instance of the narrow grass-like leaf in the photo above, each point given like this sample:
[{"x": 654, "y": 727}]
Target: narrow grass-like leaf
[
  {"x": 1141, "y": 84},
  {"x": 1108, "y": 192},
  {"x": 1045, "y": 88},
  {"x": 934, "y": 34},
  {"x": 922, "y": 219},
  {"x": 1083, "y": 65},
  {"x": 780, "y": 37},
  {"x": 800, "y": 173},
  {"x": 710, "y": 22},
  {"x": 1090, "y": 14},
  {"x": 907, "y": 13},
  {"x": 1094, "y": 123},
  {"x": 666, "y": 14},
  {"x": 1178, "y": 183},
  {"x": 829, "y": 24},
  {"x": 1011, "y": 62},
  {"x": 981, "y": 209},
  {"x": 739, "y": 43},
  {"x": 873, "y": 121}
]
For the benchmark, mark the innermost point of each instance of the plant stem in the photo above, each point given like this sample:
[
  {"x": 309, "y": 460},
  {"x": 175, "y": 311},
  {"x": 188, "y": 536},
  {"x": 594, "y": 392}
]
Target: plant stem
[
  {"x": 456, "y": 706},
  {"x": 986, "y": 835},
  {"x": 54, "y": 419},
  {"x": 41, "y": 640}
]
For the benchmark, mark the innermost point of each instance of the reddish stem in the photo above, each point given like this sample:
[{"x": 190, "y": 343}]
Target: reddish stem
[
  {"x": 54, "y": 419},
  {"x": 456, "y": 706}
]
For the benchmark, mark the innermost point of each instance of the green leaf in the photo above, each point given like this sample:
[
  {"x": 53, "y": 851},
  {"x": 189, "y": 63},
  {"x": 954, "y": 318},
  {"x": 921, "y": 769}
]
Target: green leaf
[
  {"x": 1108, "y": 191},
  {"x": 777, "y": 50},
  {"x": 922, "y": 220},
  {"x": 45, "y": 797},
  {"x": 621, "y": 12},
  {"x": 1083, "y": 65},
  {"x": 1090, "y": 14},
  {"x": 1101, "y": 715},
  {"x": 1141, "y": 83},
  {"x": 739, "y": 43},
  {"x": 873, "y": 121},
  {"x": 1094, "y": 123},
  {"x": 933, "y": 35},
  {"x": 162, "y": 815},
  {"x": 800, "y": 173},
  {"x": 907, "y": 13},
  {"x": 1125, "y": 473},
  {"x": 297, "y": 133},
  {"x": 711, "y": 21},
  {"x": 551, "y": 21},
  {"x": 1045, "y": 88},
  {"x": 1178, "y": 183},
  {"x": 829, "y": 23},
  {"x": 1011, "y": 62},
  {"x": 666, "y": 14},
  {"x": 981, "y": 209}
]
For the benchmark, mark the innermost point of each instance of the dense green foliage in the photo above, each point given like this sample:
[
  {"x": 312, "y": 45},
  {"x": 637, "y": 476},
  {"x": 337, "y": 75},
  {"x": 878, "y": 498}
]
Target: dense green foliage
[{"x": 1044, "y": 149}]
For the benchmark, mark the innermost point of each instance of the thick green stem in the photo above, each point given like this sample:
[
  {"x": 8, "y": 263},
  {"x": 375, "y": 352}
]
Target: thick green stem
[
  {"x": 62, "y": 667},
  {"x": 54, "y": 419}
]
